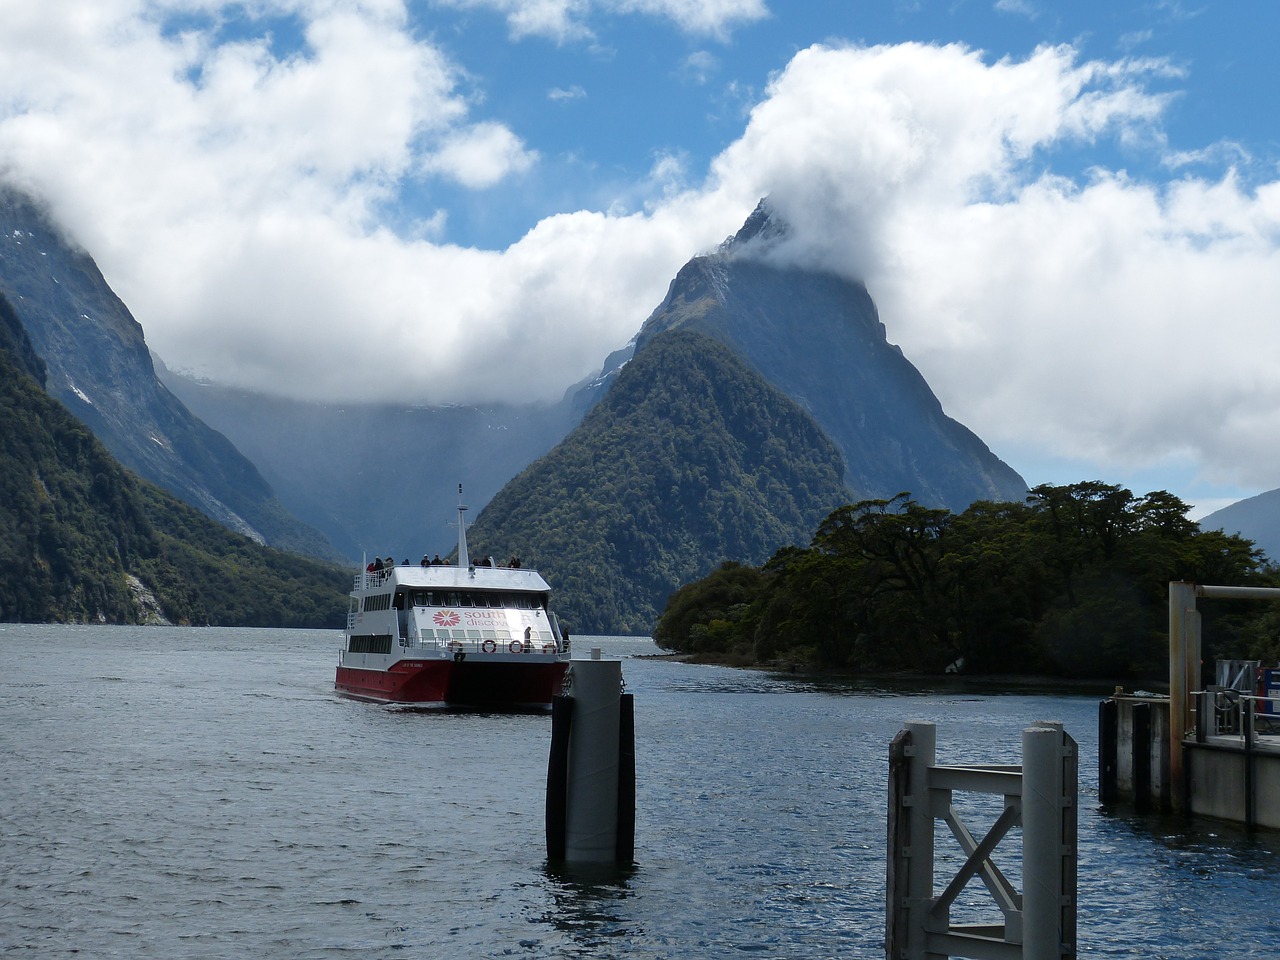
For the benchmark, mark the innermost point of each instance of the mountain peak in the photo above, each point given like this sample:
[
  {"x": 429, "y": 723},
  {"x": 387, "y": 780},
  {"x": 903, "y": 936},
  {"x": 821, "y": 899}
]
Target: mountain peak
[{"x": 763, "y": 229}]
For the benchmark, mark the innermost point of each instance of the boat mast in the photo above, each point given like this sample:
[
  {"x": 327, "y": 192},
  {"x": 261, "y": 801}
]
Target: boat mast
[{"x": 464, "y": 559}]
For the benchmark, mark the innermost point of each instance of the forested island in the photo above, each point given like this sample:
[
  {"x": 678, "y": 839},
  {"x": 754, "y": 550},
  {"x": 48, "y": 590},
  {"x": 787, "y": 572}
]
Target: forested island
[{"x": 1071, "y": 583}]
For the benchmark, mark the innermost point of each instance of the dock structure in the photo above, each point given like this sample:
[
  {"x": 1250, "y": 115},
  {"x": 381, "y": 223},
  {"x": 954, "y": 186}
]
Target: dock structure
[
  {"x": 1210, "y": 749},
  {"x": 1036, "y": 923}
]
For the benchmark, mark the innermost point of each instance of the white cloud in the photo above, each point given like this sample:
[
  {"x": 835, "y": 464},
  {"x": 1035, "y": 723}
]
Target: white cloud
[
  {"x": 709, "y": 17},
  {"x": 568, "y": 20},
  {"x": 1115, "y": 320},
  {"x": 230, "y": 194},
  {"x": 699, "y": 66},
  {"x": 1022, "y": 8},
  {"x": 565, "y": 94},
  {"x": 480, "y": 156}
]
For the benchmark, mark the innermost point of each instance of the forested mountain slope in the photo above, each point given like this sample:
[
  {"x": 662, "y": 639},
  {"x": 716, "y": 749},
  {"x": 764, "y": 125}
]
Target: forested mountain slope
[
  {"x": 84, "y": 540},
  {"x": 100, "y": 369},
  {"x": 690, "y": 458}
]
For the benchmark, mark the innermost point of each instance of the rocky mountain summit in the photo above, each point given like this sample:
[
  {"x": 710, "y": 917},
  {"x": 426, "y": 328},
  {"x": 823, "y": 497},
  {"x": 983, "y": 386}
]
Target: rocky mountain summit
[{"x": 819, "y": 339}]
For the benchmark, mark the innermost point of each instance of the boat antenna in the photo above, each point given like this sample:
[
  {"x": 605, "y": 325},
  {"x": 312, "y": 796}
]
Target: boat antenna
[{"x": 464, "y": 559}]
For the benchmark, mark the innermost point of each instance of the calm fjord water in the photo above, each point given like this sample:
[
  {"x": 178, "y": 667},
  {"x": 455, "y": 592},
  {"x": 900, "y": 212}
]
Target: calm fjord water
[{"x": 177, "y": 793}]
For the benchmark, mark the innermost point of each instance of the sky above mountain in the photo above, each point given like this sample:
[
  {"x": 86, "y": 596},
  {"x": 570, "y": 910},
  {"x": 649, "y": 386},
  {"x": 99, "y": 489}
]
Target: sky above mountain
[{"x": 1067, "y": 214}]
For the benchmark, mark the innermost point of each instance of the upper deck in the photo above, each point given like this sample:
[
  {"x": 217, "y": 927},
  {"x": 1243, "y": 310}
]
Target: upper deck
[{"x": 447, "y": 577}]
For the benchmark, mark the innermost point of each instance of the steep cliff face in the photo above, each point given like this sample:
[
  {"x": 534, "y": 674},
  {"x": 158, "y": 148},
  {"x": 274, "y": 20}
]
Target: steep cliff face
[
  {"x": 99, "y": 367},
  {"x": 819, "y": 339}
]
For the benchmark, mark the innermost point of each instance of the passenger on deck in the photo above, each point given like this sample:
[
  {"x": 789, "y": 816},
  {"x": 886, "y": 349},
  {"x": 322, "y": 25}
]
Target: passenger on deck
[
  {"x": 426, "y": 561},
  {"x": 436, "y": 561},
  {"x": 373, "y": 565}
]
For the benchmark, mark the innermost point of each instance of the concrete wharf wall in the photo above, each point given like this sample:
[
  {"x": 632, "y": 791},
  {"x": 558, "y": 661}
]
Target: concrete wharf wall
[
  {"x": 1229, "y": 782},
  {"x": 1233, "y": 776}
]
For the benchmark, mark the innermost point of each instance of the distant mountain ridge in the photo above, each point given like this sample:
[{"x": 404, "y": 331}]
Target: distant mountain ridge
[
  {"x": 1255, "y": 518},
  {"x": 99, "y": 366},
  {"x": 379, "y": 477}
]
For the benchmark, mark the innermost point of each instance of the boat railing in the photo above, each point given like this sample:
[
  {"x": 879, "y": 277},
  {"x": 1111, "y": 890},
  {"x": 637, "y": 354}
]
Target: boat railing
[
  {"x": 367, "y": 580},
  {"x": 1224, "y": 712},
  {"x": 476, "y": 645}
]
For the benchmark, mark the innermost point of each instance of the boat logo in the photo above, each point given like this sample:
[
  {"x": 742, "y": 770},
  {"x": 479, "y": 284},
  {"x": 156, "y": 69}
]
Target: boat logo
[{"x": 446, "y": 618}]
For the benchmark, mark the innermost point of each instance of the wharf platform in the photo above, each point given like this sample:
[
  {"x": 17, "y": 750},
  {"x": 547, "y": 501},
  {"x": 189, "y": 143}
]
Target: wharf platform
[{"x": 1206, "y": 749}]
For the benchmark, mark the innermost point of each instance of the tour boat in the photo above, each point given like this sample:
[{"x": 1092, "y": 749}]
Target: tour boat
[{"x": 474, "y": 633}]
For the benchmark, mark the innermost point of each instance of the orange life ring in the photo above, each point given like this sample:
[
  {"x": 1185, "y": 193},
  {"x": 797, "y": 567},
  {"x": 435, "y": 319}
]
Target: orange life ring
[
  {"x": 488, "y": 646},
  {"x": 515, "y": 646}
]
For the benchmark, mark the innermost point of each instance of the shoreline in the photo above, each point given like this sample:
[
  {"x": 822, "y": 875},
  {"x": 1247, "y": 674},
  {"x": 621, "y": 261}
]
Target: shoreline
[{"x": 801, "y": 670}]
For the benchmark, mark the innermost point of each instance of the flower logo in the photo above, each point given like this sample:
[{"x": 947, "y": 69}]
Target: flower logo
[{"x": 446, "y": 618}]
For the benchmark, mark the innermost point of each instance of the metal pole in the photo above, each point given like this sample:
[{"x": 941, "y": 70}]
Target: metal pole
[
  {"x": 1042, "y": 789},
  {"x": 1182, "y": 598},
  {"x": 923, "y": 753}
]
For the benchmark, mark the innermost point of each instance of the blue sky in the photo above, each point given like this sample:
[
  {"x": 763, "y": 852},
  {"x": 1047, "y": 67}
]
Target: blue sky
[
  {"x": 1067, "y": 214},
  {"x": 603, "y": 110}
]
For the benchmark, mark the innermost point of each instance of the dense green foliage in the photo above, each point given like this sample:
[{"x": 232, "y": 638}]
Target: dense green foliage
[
  {"x": 690, "y": 458},
  {"x": 1074, "y": 582},
  {"x": 75, "y": 527}
]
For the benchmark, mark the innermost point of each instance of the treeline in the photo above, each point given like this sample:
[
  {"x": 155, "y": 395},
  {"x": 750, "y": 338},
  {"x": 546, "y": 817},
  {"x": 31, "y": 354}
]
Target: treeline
[{"x": 1072, "y": 583}]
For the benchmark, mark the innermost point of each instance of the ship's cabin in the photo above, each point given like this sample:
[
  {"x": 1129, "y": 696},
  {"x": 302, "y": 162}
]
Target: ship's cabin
[{"x": 405, "y": 599}]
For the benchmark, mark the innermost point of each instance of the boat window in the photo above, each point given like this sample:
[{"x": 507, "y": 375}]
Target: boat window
[
  {"x": 453, "y": 601},
  {"x": 504, "y": 634},
  {"x": 465, "y": 600},
  {"x": 422, "y": 598},
  {"x": 489, "y": 634},
  {"x": 398, "y": 602},
  {"x": 473, "y": 634},
  {"x": 377, "y": 601},
  {"x": 370, "y": 643}
]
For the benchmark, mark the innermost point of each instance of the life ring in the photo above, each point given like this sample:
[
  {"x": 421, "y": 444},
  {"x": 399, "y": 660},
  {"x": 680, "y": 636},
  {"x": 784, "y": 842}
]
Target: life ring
[
  {"x": 515, "y": 646},
  {"x": 488, "y": 646}
]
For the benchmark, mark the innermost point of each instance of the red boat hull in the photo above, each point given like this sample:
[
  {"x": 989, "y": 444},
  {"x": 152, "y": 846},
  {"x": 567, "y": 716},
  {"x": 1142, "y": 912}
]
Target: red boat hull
[{"x": 466, "y": 683}]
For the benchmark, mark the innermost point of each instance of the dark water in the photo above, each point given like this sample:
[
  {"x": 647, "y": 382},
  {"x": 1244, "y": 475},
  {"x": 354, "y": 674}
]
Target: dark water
[{"x": 203, "y": 793}]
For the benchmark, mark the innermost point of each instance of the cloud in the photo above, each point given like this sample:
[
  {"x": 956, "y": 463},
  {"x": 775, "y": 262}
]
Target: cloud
[
  {"x": 564, "y": 94},
  {"x": 230, "y": 188},
  {"x": 1022, "y": 8},
  {"x": 480, "y": 156},
  {"x": 1113, "y": 320},
  {"x": 699, "y": 67},
  {"x": 568, "y": 20}
]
